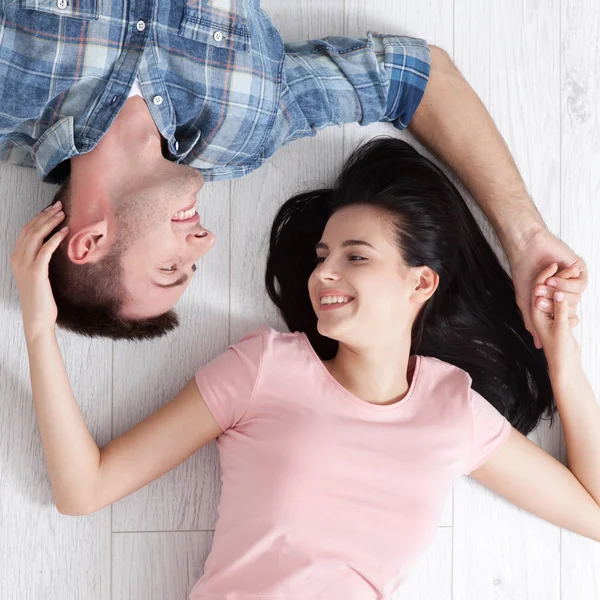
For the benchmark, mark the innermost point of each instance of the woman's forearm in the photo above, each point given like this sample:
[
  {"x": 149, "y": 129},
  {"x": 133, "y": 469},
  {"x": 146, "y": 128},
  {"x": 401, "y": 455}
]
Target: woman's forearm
[
  {"x": 453, "y": 122},
  {"x": 72, "y": 455},
  {"x": 580, "y": 417}
]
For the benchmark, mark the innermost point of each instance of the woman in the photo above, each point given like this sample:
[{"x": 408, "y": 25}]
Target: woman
[{"x": 410, "y": 366}]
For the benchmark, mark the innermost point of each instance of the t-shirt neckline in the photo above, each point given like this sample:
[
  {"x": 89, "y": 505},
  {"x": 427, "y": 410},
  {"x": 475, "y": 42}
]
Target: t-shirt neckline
[{"x": 368, "y": 405}]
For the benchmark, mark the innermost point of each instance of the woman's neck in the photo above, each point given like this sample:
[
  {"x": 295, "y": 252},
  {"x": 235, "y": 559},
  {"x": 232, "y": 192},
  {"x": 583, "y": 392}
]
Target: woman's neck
[{"x": 375, "y": 375}]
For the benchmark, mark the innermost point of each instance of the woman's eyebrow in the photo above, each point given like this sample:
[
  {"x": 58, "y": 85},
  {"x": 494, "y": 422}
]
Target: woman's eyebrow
[{"x": 345, "y": 244}]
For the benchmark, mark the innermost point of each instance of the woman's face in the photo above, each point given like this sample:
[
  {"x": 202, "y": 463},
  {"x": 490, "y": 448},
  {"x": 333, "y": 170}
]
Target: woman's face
[{"x": 361, "y": 290}]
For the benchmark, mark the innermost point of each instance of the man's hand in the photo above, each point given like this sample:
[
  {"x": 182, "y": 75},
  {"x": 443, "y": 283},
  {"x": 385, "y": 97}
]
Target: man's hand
[
  {"x": 542, "y": 249},
  {"x": 29, "y": 262}
]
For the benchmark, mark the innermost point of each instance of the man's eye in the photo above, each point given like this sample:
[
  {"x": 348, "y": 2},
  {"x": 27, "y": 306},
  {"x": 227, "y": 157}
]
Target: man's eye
[
  {"x": 170, "y": 269},
  {"x": 319, "y": 259}
]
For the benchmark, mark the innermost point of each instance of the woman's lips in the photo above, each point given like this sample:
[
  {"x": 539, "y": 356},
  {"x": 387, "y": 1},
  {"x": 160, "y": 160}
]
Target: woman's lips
[{"x": 335, "y": 305}]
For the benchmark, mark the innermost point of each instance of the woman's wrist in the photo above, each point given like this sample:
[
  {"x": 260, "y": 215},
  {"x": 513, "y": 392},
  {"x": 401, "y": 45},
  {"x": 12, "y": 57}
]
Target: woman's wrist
[
  {"x": 39, "y": 336},
  {"x": 566, "y": 375}
]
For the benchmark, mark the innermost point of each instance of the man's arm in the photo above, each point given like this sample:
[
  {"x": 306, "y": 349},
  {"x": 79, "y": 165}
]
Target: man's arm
[{"x": 452, "y": 122}]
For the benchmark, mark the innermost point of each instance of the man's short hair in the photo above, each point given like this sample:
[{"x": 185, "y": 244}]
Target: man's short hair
[{"x": 89, "y": 297}]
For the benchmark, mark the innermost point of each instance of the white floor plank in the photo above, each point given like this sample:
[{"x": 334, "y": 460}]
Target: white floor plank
[
  {"x": 158, "y": 566},
  {"x": 43, "y": 554},
  {"x": 580, "y": 216},
  {"x": 509, "y": 52}
]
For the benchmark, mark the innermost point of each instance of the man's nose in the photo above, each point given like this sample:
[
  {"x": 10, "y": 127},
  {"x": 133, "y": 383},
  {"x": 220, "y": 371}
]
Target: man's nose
[{"x": 196, "y": 243}]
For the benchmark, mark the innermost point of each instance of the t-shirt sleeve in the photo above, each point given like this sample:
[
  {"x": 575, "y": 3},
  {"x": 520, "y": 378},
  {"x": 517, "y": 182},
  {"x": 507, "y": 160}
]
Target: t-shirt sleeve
[
  {"x": 490, "y": 430},
  {"x": 227, "y": 383}
]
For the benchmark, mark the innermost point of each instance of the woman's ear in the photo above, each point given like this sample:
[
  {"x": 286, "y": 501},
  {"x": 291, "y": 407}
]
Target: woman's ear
[
  {"x": 90, "y": 244},
  {"x": 426, "y": 282}
]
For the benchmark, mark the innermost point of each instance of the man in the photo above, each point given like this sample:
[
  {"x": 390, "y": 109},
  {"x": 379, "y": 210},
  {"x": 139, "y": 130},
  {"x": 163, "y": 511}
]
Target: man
[{"x": 218, "y": 92}]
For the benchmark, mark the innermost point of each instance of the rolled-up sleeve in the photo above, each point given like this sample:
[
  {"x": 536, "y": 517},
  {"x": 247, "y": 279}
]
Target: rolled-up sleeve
[{"x": 339, "y": 80}]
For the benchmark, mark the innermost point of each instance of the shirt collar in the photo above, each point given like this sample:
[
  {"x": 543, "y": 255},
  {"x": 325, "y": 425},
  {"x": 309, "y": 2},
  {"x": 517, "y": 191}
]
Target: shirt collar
[{"x": 55, "y": 146}]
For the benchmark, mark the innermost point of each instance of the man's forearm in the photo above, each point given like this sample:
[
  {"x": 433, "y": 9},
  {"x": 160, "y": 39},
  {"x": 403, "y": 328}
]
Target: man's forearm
[{"x": 452, "y": 122}]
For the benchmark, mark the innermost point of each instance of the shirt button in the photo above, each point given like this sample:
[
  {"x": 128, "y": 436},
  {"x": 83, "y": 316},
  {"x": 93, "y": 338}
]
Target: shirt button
[
  {"x": 140, "y": 25},
  {"x": 218, "y": 36},
  {"x": 61, "y": 3},
  {"x": 157, "y": 100},
  {"x": 176, "y": 145}
]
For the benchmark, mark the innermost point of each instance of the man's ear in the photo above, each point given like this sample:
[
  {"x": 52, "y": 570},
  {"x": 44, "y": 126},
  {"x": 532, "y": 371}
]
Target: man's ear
[{"x": 90, "y": 244}]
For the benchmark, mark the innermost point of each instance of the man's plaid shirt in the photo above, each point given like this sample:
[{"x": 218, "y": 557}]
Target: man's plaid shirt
[{"x": 223, "y": 89}]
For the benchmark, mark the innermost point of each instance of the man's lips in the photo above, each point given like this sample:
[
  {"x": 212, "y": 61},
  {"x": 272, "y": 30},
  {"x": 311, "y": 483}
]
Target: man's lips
[
  {"x": 194, "y": 219},
  {"x": 178, "y": 216},
  {"x": 188, "y": 206}
]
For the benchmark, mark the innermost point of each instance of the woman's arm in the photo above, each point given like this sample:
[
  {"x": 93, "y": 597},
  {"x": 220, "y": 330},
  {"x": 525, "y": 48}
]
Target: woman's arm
[
  {"x": 530, "y": 477},
  {"x": 85, "y": 478},
  {"x": 72, "y": 455}
]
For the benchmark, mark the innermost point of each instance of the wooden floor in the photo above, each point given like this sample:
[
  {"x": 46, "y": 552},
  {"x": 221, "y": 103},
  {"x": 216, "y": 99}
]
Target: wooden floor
[{"x": 536, "y": 66}]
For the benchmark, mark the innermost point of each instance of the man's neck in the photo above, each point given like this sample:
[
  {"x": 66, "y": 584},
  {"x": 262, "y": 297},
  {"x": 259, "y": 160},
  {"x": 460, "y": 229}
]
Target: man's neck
[{"x": 132, "y": 139}]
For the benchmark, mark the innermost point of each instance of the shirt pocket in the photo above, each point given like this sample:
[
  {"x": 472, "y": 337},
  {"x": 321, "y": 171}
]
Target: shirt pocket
[
  {"x": 220, "y": 23},
  {"x": 78, "y": 9}
]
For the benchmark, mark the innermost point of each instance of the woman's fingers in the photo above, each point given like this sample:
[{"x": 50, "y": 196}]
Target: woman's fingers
[
  {"x": 544, "y": 300},
  {"x": 50, "y": 247},
  {"x": 32, "y": 235},
  {"x": 561, "y": 313}
]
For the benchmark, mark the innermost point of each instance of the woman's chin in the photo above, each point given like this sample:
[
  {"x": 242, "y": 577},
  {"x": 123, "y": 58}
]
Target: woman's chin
[{"x": 334, "y": 331}]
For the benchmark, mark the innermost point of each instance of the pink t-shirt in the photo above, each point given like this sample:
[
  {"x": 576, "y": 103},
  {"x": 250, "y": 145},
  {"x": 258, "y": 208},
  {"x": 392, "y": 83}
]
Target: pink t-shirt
[{"x": 325, "y": 495}]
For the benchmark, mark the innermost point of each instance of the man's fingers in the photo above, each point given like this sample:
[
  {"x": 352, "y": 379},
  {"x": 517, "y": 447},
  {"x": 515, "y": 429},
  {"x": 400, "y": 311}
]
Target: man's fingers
[
  {"x": 50, "y": 246},
  {"x": 548, "y": 272},
  {"x": 573, "y": 285}
]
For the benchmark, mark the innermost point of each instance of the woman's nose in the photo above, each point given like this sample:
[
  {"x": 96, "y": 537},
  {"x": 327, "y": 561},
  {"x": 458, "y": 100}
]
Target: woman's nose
[{"x": 326, "y": 272}]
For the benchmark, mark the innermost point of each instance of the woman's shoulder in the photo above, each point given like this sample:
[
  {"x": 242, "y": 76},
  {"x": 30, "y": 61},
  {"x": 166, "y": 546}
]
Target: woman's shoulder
[
  {"x": 272, "y": 339},
  {"x": 441, "y": 371}
]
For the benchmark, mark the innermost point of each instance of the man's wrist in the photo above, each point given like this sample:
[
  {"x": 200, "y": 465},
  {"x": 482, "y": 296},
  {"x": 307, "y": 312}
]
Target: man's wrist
[{"x": 519, "y": 234}]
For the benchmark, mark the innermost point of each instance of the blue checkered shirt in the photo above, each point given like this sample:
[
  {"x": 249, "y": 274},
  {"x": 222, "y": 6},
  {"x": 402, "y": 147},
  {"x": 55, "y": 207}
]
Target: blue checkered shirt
[{"x": 223, "y": 89}]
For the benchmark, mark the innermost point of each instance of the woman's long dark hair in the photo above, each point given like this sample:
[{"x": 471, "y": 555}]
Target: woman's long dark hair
[{"x": 471, "y": 321}]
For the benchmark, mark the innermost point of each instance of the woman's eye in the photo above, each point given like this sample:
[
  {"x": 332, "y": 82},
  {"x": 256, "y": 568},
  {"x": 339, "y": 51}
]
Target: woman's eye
[
  {"x": 319, "y": 259},
  {"x": 170, "y": 269},
  {"x": 356, "y": 258}
]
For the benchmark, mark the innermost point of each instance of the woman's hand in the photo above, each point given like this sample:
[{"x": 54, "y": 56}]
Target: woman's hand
[
  {"x": 29, "y": 262},
  {"x": 542, "y": 249},
  {"x": 552, "y": 326}
]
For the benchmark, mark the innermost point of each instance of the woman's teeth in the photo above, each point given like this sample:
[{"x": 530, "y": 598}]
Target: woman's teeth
[
  {"x": 182, "y": 215},
  {"x": 335, "y": 300}
]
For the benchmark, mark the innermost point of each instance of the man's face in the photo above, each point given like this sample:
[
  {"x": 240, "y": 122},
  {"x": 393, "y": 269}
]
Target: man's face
[{"x": 161, "y": 241}]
